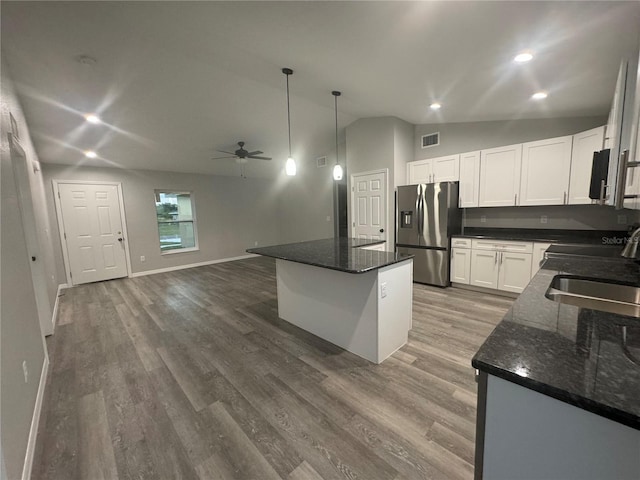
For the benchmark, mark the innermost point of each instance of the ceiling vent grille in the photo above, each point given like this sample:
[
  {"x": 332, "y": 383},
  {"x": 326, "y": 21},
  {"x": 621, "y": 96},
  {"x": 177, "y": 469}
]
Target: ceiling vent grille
[
  {"x": 431, "y": 140},
  {"x": 321, "y": 162}
]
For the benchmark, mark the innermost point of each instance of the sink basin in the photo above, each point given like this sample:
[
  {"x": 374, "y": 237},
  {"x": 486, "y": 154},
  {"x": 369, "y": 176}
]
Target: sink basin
[{"x": 623, "y": 299}]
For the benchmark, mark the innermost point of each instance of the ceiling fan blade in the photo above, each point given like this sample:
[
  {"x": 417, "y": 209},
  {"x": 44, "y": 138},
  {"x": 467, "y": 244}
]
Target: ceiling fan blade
[
  {"x": 257, "y": 152},
  {"x": 220, "y": 158},
  {"x": 259, "y": 158},
  {"x": 224, "y": 151}
]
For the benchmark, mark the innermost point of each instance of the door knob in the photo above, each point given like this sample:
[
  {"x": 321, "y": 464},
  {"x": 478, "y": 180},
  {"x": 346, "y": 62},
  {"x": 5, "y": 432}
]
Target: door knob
[
  {"x": 33, "y": 259},
  {"x": 382, "y": 230},
  {"x": 120, "y": 239}
]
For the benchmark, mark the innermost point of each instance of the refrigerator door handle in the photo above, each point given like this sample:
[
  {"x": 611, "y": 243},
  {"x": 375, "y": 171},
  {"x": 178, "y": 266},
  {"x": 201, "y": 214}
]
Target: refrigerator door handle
[{"x": 418, "y": 210}]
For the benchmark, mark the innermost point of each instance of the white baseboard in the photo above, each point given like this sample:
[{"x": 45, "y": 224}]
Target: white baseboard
[
  {"x": 192, "y": 265},
  {"x": 35, "y": 421},
  {"x": 54, "y": 315}
]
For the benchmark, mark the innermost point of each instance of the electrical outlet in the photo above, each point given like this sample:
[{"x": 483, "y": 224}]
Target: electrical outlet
[
  {"x": 543, "y": 219},
  {"x": 622, "y": 219},
  {"x": 142, "y": 258},
  {"x": 483, "y": 219},
  {"x": 25, "y": 370},
  {"x": 383, "y": 290}
]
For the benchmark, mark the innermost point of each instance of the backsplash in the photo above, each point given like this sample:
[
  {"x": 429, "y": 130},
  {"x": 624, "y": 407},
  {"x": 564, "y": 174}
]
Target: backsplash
[{"x": 557, "y": 217}]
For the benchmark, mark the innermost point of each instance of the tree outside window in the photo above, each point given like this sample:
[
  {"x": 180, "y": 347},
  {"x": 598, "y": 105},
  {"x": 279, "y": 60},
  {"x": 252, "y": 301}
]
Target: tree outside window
[{"x": 176, "y": 221}]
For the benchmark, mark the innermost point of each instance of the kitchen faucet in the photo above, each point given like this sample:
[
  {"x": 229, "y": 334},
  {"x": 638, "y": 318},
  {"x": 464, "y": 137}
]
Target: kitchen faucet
[{"x": 631, "y": 249}]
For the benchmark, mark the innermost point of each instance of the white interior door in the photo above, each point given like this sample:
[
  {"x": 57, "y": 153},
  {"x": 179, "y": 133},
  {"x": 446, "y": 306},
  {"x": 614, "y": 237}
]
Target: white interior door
[
  {"x": 369, "y": 200},
  {"x": 36, "y": 261},
  {"x": 93, "y": 231}
]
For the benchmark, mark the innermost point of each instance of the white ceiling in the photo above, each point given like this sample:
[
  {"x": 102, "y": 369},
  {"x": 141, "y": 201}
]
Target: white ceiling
[{"x": 174, "y": 81}]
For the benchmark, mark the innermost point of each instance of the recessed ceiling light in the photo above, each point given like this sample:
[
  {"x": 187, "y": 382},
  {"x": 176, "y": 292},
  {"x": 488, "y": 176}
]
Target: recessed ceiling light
[
  {"x": 523, "y": 57},
  {"x": 435, "y": 106},
  {"x": 90, "y": 154},
  {"x": 92, "y": 118},
  {"x": 539, "y": 95}
]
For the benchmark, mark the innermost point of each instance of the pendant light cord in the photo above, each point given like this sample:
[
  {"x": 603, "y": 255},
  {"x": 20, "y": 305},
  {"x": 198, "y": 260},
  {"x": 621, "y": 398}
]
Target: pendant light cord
[
  {"x": 336, "y": 94},
  {"x": 288, "y": 114},
  {"x": 336, "y": 104}
]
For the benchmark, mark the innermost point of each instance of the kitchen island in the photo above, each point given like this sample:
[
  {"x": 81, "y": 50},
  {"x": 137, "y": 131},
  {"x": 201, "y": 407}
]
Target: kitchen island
[
  {"x": 345, "y": 291},
  {"x": 559, "y": 384}
]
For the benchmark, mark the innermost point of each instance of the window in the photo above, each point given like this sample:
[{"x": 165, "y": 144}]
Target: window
[{"x": 176, "y": 221}]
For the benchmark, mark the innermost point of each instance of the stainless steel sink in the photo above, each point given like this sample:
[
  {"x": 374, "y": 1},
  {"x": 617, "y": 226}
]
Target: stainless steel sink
[{"x": 623, "y": 299}]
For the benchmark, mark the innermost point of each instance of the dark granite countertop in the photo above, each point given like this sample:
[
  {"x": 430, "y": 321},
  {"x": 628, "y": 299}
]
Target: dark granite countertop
[
  {"x": 576, "y": 355},
  {"x": 340, "y": 254},
  {"x": 543, "y": 235}
]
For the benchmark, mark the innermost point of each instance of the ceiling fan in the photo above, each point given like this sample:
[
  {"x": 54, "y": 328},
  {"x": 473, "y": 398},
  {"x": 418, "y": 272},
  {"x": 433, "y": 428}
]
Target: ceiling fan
[{"x": 241, "y": 155}]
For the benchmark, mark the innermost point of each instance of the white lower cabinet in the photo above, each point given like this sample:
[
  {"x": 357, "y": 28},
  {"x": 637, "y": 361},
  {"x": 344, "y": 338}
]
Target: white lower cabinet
[
  {"x": 538, "y": 256},
  {"x": 514, "y": 271},
  {"x": 461, "y": 265},
  {"x": 484, "y": 268},
  {"x": 495, "y": 264}
]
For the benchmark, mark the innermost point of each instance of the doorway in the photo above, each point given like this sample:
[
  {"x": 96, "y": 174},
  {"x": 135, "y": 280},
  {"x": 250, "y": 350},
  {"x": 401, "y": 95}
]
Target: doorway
[
  {"x": 369, "y": 205},
  {"x": 92, "y": 230},
  {"x": 20, "y": 166}
]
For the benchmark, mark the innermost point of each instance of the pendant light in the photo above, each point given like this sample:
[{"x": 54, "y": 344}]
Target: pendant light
[
  {"x": 337, "y": 169},
  {"x": 290, "y": 166}
]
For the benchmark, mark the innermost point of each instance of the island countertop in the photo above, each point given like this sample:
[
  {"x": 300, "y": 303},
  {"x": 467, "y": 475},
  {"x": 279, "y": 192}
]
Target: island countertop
[
  {"x": 342, "y": 254},
  {"x": 587, "y": 358}
]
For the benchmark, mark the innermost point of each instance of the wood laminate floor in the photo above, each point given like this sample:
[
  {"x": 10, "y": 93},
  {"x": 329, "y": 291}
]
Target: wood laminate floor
[{"x": 191, "y": 374}]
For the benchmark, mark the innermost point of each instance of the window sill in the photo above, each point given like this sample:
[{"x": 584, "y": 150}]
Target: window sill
[{"x": 180, "y": 250}]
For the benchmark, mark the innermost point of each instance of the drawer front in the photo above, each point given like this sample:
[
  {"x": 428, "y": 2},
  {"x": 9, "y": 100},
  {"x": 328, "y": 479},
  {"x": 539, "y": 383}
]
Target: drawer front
[
  {"x": 457, "y": 242},
  {"x": 502, "y": 246}
]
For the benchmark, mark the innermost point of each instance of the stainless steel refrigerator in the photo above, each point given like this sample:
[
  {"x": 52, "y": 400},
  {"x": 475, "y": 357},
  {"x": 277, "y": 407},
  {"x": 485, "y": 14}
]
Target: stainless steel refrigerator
[{"x": 426, "y": 216}]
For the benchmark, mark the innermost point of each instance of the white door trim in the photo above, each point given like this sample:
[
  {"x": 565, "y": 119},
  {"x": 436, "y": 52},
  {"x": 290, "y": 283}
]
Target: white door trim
[
  {"x": 388, "y": 221},
  {"x": 63, "y": 243}
]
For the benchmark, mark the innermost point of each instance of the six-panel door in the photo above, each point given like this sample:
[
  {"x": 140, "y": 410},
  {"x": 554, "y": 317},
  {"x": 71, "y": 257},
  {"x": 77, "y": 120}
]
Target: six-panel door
[{"x": 92, "y": 225}]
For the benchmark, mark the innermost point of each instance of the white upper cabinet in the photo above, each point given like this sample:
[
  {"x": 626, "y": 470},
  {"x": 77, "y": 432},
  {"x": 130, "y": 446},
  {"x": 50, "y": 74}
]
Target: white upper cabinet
[
  {"x": 469, "y": 179},
  {"x": 546, "y": 165},
  {"x": 446, "y": 169},
  {"x": 420, "y": 171},
  {"x": 500, "y": 176},
  {"x": 432, "y": 170},
  {"x": 584, "y": 144}
]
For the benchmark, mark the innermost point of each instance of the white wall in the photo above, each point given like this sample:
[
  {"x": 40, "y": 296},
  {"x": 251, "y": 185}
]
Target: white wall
[
  {"x": 232, "y": 213},
  {"x": 305, "y": 203},
  {"x": 20, "y": 335},
  {"x": 377, "y": 143},
  {"x": 466, "y": 137}
]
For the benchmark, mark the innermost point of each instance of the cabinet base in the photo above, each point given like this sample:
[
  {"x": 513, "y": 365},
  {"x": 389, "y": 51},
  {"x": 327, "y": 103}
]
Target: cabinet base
[{"x": 492, "y": 291}]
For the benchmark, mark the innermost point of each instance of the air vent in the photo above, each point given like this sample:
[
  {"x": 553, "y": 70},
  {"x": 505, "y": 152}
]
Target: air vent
[
  {"x": 321, "y": 161},
  {"x": 431, "y": 140}
]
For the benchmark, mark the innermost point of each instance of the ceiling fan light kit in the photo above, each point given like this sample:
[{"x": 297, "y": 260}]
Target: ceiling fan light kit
[
  {"x": 337, "y": 169},
  {"x": 290, "y": 165}
]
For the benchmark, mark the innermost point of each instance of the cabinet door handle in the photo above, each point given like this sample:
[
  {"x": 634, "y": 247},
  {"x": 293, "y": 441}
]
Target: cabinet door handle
[
  {"x": 500, "y": 258},
  {"x": 515, "y": 199},
  {"x": 564, "y": 198},
  {"x": 603, "y": 187},
  {"x": 495, "y": 258}
]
